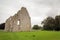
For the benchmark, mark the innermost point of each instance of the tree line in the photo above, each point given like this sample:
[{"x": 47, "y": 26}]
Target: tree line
[{"x": 50, "y": 23}]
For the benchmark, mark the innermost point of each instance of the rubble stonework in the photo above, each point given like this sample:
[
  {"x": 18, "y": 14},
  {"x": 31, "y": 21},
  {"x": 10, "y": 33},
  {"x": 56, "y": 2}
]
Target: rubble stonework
[{"x": 19, "y": 22}]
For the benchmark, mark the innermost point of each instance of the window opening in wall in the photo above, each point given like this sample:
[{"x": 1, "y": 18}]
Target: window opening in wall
[{"x": 18, "y": 22}]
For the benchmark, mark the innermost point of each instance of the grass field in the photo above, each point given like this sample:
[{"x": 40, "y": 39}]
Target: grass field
[{"x": 36, "y": 35}]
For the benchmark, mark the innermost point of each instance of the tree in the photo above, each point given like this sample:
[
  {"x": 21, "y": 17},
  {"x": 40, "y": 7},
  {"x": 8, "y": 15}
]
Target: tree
[
  {"x": 48, "y": 23},
  {"x": 36, "y": 27},
  {"x": 2, "y": 26},
  {"x": 57, "y": 20}
]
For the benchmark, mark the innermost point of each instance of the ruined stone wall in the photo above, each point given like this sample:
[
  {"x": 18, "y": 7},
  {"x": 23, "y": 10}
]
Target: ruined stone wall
[{"x": 19, "y": 22}]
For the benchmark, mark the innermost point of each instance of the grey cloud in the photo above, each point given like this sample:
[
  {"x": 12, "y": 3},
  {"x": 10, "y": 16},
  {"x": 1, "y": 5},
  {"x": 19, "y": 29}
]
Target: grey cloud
[
  {"x": 36, "y": 8},
  {"x": 54, "y": 4},
  {"x": 48, "y": 2}
]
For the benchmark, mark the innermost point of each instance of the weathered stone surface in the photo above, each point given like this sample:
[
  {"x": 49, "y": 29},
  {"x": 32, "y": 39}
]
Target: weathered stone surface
[{"x": 19, "y": 22}]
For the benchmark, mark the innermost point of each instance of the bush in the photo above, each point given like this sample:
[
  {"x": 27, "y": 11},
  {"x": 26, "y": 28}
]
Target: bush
[{"x": 36, "y": 27}]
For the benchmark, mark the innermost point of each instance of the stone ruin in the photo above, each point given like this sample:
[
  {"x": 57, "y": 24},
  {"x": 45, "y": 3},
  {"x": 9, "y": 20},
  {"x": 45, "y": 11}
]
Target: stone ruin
[{"x": 19, "y": 22}]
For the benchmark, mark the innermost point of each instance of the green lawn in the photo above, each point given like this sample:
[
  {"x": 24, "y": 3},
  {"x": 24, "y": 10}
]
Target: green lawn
[{"x": 36, "y": 35}]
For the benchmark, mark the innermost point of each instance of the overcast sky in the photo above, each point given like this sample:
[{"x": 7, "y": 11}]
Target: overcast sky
[{"x": 38, "y": 9}]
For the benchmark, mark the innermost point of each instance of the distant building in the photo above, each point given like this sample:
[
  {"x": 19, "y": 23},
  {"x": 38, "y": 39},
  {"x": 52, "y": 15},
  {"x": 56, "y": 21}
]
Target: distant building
[{"x": 19, "y": 22}]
